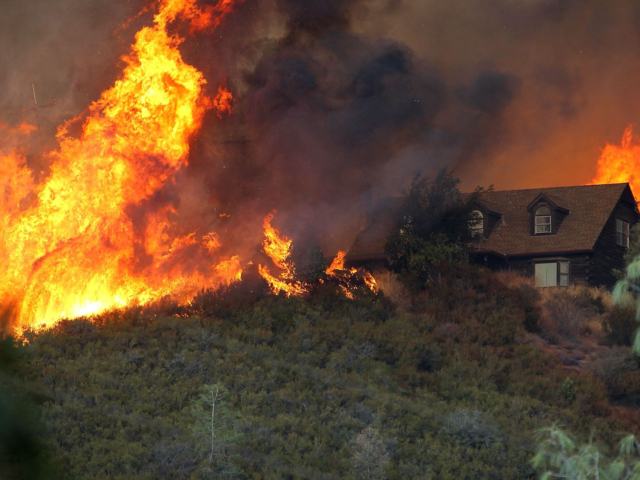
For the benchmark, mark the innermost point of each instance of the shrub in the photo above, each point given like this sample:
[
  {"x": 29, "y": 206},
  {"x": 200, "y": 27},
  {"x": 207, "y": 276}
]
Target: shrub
[
  {"x": 569, "y": 310},
  {"x": 620, "y": 325},
  {"x": 471, "y": 428},
  {"x": 530, "y": 300},
  {"x": 309, "y": 262},
  {"x": 619, "y": 370},
  {"x": 569, "y": 390},
  {"x": 392, "y": 288}
]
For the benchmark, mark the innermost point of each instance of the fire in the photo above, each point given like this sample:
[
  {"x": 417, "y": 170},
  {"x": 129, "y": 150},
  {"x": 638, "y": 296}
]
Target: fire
[
  {"x": 620, "y": 164},
  {"x": 278, "y": 249},
  {"x": 23, "y": 129},
  {"x": 338, "y": 262},
  {"x": 68, "y": 246},
  {"x": 222, "y": 102}
]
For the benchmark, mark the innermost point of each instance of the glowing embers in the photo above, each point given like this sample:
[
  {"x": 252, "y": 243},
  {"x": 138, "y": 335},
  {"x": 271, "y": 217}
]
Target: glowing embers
[
  {"x": 620, "y": 164},
  {"x": 222, "y": 102}
]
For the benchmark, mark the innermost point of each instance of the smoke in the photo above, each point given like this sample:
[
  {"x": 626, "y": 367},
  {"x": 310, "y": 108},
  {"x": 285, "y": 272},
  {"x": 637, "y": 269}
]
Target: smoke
[{"x": 337, "y": 98}]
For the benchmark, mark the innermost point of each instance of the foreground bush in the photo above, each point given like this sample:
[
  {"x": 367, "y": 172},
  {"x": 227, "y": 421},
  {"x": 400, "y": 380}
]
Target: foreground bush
[{"x": 559, "y": 456}]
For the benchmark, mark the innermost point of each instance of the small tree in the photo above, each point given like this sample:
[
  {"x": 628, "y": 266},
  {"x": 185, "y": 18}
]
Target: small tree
[
  {"x": 627, "y": 288},
  {"x": 214, "y": 426},
  {"x": 432, "y": 229},
  {"x": 560, "y": 457},
  {"x": 370, "y": 455}
]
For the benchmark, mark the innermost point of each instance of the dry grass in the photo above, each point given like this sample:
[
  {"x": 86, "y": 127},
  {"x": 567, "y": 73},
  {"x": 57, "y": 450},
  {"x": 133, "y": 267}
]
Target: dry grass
[
  {"x": 574, "y": 311},
  {"x": 514, "y": 279},
  {"x": 393, "y": 288}
]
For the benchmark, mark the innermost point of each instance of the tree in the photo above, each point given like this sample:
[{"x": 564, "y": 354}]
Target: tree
[
  {"x": 214, "y": 427},
  {"x": 625, "y": 291},
  {"x": 560, "y": 457},
  {"x": 432, "y": 228},
  {"x": 370, "y": 455}
]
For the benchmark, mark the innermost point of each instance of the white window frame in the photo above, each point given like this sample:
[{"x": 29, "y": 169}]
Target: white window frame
[
  {"x": 542, "y": 223},
  {"x": 622, "y": 233},
  {"x": 564, "y": 273},
  {"x": 552, "y": 273}
]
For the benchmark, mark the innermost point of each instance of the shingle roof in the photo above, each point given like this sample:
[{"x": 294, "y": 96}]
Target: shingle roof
[{"x": 589, "y": 206}]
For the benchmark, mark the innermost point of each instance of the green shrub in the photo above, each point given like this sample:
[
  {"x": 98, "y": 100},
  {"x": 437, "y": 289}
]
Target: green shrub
[{"x": 471, "y": 428}]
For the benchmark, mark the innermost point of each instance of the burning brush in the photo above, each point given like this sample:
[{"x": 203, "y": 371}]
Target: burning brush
[{"x": 279, "y": 249}]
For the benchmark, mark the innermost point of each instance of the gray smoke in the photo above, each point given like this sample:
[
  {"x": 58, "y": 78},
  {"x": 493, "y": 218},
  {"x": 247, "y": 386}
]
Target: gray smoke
[{"x": 337, "y": 98}]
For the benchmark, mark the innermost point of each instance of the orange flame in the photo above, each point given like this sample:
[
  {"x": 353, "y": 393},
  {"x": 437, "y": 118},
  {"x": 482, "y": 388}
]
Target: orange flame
[
  {"x": 70, "y": 249},
  {"x": 278, "y": 249},
  {"x": 620, "y": 164},
  {"x": 338, "y": 262},
  {"x": 22, "y": 129},
  {"x": 222, "y": 102}
]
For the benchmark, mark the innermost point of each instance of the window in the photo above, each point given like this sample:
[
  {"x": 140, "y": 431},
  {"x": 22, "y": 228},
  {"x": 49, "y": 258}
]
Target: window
[
  {"x": 552, "y": 274},
  {"x": 543, "y": 221},
  {"x": 622, "y": 233},
  {"x": 476, "y": 224},
  {"x": 564, "y": 273}
]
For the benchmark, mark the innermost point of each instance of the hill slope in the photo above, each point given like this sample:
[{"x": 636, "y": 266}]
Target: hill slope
[{"x": 322, "y": 387}]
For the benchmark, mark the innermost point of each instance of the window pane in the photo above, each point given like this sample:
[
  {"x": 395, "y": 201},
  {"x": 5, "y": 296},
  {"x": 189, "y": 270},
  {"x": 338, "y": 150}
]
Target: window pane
[
  {"x": 626, "y": 228},
  {"x": 564, "y": 268},
  {"x": 618, "y": 225},
  {"x": 543, "y": 211},
  {"x": 543, "y": 228},
  {"x": 546, "y": 274},
  {"x": 564, "y": 280},
  {"x": 619, "y": 239}
]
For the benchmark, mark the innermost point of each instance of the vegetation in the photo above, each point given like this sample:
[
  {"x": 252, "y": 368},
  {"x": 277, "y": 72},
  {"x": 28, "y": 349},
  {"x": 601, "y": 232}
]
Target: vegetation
[
  {"x": 561, "y": 457},
  {"x": 432, "y": 230},
  {"x": 446, "y": 373},
  {"x": 449, "y": 386}
]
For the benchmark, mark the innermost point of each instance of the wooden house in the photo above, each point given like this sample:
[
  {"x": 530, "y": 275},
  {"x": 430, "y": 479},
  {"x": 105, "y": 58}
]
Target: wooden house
[{"x": 559, "y": 235}]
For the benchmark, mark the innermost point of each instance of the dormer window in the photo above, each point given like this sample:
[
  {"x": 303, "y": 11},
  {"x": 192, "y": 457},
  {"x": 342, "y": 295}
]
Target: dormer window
[
  {"x": 543, "y": 221},
  {"x": 476, "y": 224}
]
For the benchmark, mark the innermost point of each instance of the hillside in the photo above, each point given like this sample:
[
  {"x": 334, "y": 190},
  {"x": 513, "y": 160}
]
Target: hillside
[{"x": 448, "y": 384}]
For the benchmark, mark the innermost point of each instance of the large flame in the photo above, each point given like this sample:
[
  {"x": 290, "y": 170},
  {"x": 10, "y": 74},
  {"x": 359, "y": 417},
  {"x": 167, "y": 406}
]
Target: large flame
[
  {"x": 278, "y": 249},
  {"x": 620, "y": 163},
  {"x": 68, "y": 246}
]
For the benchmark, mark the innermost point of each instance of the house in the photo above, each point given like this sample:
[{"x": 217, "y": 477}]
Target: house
[{"x": 559, "y": 235}]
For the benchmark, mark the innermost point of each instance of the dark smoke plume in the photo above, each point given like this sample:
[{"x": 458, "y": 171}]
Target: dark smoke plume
[{"x": 336, "y": 99}]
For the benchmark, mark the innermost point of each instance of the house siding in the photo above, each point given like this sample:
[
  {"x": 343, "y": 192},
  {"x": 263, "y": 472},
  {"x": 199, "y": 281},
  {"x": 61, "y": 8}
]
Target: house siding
[
  {"x": 608, "y": 256},
  {"x": 579, "y": 265}
]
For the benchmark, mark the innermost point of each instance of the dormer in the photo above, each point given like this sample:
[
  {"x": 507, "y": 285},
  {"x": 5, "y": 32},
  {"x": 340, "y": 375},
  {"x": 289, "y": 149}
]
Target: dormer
[
  {"x": 483, "y": 218},
  {"x": 547, "y": 214}
]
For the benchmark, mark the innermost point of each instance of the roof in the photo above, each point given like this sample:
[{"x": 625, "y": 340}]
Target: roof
[{"x": 589, "y": 207}]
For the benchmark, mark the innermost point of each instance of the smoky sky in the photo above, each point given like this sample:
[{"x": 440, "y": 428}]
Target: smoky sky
[{"x": 337, "y": 98}]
